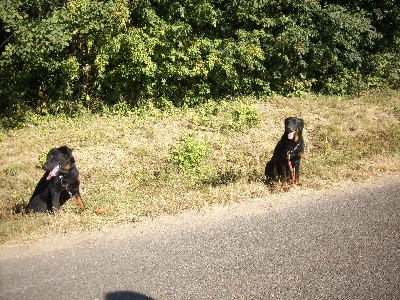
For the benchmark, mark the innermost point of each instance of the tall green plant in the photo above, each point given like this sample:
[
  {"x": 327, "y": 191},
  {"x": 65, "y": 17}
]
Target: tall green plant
[{"x": 190, "y": 152}]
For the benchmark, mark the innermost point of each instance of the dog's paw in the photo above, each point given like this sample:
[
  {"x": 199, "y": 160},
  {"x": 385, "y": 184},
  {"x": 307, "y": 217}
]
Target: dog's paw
[
  {"x": 272, "y": 187},
  {"x": 100, "y": 210}
]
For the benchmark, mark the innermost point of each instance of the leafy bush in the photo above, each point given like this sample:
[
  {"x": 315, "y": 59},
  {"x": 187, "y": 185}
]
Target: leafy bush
[
  {"x": 223, "y": 116},
  {"x": 190, "y": 153},
  {"x": 244, "y": 117},
  {"x": 59, "y": 56},
  {"x": 42, "y": 159}
]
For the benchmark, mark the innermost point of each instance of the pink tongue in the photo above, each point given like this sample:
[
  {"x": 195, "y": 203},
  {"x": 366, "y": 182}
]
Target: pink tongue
[
  {"x": 53, "y": 173},
  {"x": 291, "y": 135}
]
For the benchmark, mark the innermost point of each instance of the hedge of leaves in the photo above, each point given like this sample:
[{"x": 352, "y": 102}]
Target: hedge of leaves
[{"x": 60, "y": 55}]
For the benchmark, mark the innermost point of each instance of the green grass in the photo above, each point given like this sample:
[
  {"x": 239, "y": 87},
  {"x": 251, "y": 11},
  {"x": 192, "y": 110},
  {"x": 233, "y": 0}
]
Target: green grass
[{"x": 136, "y": 165}]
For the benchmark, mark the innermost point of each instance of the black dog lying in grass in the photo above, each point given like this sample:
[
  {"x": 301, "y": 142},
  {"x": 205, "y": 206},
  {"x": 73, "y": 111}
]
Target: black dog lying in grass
[
  {"x": 59, "y": 184},
  {"x": 285, "y": 162}
]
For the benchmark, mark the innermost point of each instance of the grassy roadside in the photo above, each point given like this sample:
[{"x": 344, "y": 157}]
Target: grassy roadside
[{"x": 149, "y": 163}]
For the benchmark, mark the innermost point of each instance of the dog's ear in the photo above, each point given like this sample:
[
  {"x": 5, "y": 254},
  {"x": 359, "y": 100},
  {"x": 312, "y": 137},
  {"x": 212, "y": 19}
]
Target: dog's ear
[
  {"x": 301, "y": 124},
  {"x": 65, "y": 150}
]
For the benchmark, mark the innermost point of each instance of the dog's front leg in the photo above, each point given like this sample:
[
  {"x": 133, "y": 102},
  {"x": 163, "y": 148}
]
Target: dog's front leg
[
  {"x": 297, "y": 175},
  {"x": 55, "y": 200},
  {"x": 283, "y": 176}
]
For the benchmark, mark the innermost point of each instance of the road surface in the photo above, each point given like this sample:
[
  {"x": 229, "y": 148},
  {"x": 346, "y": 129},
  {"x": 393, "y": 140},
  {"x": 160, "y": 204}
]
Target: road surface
[{"x": 338, "y": 244}]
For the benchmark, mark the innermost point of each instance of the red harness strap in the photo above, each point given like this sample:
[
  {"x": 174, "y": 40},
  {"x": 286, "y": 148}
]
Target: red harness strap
[{"x": 292, "y": 170}]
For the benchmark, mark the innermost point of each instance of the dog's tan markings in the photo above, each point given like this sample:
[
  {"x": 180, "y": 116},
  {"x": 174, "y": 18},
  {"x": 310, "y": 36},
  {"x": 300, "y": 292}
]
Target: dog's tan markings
[
  {"x": 99, "y": 210},
  {"x": 79, "y": 202}
]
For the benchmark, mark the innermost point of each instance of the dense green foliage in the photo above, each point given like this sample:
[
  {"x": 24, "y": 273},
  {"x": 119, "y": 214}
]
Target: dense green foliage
[{"x": 61, "y": 55}]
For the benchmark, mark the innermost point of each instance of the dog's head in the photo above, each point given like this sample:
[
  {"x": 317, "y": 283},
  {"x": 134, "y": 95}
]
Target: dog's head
[
  {"x": 293, "y": 128},
  {"x": 58, "y": 160}
]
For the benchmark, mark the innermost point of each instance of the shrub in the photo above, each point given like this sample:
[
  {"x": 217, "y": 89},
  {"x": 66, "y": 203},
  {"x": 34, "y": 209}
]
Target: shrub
[
  {"x": 62, "y": 56},
  {"x": 225, "y": 117},
  {"x": 190, "y": 153},
  {"x": 244, "y": 117}
]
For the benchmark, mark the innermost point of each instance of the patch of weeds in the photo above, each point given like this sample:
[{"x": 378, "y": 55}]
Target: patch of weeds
[
  {"x": 243, "y": 117},
  {"x": 12, "y": 170},
  {"x": 226, "y": 117},
  {"x": 206, "y": 115},
  {"x": 42, "y": 159},
  {"x": 155, "y": 109},
  {"x": 121, "y": 109},
  {"x": 190, "y": 152}
]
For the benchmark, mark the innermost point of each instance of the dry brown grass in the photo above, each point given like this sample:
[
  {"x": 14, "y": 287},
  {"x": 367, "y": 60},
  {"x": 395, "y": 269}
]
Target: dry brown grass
[{"x": 125, "y": 160}]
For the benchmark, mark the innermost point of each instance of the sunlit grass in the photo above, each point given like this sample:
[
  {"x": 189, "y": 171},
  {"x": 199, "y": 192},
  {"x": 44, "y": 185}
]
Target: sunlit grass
[{"x": 127, "y": 170}]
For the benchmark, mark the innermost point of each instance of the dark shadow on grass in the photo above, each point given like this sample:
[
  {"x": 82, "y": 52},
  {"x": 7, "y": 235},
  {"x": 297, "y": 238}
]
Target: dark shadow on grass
[
  {"x": 224, "y": 178},
  {"x": 126, "y": 295},
  {"x": 20, "y": 208}
]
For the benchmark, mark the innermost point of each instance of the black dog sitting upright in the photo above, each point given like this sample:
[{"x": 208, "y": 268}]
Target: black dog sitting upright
[
  {"x": 59, "y": 184},
  {"x": 285, "y": 162}
]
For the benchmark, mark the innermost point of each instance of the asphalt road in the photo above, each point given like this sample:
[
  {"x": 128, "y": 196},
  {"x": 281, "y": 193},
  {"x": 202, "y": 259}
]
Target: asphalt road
[{"x": 338, "y": 244}]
